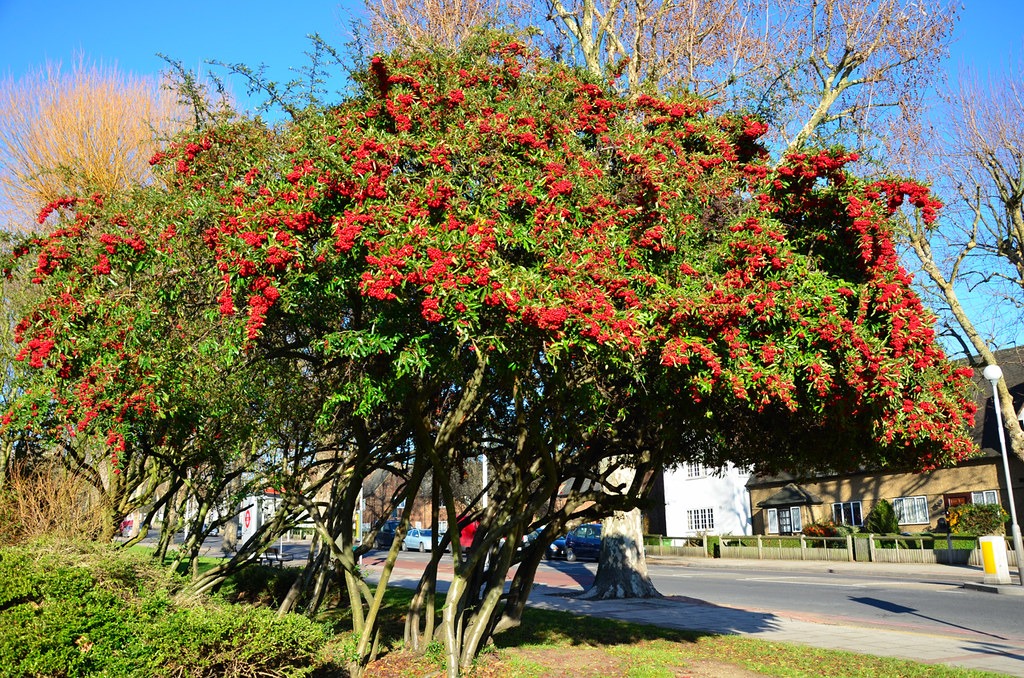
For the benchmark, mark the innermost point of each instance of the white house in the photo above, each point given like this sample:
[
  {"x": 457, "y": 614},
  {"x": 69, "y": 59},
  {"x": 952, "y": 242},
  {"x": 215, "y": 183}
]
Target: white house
[{"x": 701, "y": 500}]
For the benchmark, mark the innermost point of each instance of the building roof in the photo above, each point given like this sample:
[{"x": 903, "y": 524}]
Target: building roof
[
  {"x": 985, "y": 432},
  {"x": 790, "y": 495}
]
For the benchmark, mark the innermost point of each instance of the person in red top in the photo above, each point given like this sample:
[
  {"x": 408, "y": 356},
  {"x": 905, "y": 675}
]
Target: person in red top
[{"x": 467, "y": 534}]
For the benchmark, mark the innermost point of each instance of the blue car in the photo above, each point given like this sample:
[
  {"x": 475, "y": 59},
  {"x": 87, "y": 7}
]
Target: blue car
[{"x": 583, "y": 542}]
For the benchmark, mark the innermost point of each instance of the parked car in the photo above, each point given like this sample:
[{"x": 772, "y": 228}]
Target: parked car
[
  {"x": 417, "y": 540},
  {"x": 556, "y": 549},
  {"x": 386, "y": 535},
  {"x": 126, "y": 527},
  {"x": 583, "y": 542}
]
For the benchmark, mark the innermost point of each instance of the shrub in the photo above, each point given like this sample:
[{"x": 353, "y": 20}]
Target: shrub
[
  {"x": 86, "y": 610},
  {"x": 46, "y": 500},
  {"x": 232, "y": 641},
  {"x": 978, "y": 519},
  {"x": 260, "y": 585},
  {"x": 882, "y": 519},
  {"x": 825, "y": 528}
]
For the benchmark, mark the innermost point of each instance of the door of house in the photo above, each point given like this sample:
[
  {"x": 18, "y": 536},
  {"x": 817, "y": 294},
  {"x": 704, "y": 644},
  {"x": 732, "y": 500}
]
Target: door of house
[{"x": 956, "y": 499}]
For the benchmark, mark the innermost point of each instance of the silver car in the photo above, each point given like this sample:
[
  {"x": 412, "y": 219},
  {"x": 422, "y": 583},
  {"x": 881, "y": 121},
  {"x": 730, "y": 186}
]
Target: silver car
[{"x": 417, "y": 540}]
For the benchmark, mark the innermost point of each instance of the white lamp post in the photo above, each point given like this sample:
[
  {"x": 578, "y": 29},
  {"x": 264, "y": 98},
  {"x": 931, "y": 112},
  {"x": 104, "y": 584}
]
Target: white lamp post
[
  {"x": 483, "y": 472},
  {"x": 993, "y": 374}
]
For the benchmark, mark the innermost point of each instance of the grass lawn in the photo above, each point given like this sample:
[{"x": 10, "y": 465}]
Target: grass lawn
[{"x": 552, "y": 644}]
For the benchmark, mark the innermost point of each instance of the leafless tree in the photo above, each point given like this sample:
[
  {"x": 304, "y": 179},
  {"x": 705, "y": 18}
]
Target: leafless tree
[
  {"x": 64, "y": 129},
  {"x": 974, "y": 258}
]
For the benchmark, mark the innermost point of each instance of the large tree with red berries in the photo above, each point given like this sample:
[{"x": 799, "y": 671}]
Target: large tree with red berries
[{"x": 487, "y": 254}]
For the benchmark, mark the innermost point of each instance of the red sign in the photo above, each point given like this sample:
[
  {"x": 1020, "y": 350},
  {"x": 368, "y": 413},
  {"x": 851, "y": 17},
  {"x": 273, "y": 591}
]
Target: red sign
[{"x": 248, "y": 518}]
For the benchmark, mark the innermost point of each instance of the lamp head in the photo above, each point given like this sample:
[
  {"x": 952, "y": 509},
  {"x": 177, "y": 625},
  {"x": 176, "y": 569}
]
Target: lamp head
[{"x": 992, "y": 373}]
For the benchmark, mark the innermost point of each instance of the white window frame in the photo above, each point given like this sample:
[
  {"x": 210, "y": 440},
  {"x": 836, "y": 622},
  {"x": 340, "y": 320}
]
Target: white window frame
[
  {"x": 700, "y": 519},
  {"x": 856, "y": 516},
  {"x": 985, "y": 497},
  {"x": 695, "y": 470},
  {"x": 795, "y": 522},
  {"x": 908, "y": 509}
]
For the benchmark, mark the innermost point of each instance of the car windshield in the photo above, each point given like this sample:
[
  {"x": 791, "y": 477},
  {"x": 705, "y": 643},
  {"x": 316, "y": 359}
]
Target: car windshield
[{"x": 424, "y": 533}]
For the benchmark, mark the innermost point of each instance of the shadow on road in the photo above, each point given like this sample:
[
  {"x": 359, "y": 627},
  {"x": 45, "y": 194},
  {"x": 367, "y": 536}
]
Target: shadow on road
[
  {"x": 886, "y": 606},
  {"x": 670, "y": 618}
]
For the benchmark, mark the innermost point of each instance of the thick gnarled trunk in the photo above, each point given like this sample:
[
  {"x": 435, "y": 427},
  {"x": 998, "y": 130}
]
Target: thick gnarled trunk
[{"x": 622, "y": 570}]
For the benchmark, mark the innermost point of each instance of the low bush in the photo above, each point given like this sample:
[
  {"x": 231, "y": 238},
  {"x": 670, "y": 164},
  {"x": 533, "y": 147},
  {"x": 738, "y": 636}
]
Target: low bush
[
  {"x": 47, "y": 499},
  {"x": 91, "y": 610},
  {"x": 978, "y": 519},
  {"x": 823, "y": 529}
]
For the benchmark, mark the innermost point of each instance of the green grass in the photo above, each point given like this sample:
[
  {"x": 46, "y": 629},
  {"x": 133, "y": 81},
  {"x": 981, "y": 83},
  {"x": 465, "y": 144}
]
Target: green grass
[{"x": 613, "y": 648}]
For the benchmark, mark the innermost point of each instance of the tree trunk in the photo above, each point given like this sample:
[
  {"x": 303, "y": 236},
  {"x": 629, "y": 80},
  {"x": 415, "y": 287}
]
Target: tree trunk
[
  {"x": 229, "y": 536},
  {"x": 622, "y": 570}
]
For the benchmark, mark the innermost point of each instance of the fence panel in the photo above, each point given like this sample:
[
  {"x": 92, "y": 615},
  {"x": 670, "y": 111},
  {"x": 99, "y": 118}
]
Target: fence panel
[
  {"x": 911, "y": 549},
  {"x": 686, "y": 547}
]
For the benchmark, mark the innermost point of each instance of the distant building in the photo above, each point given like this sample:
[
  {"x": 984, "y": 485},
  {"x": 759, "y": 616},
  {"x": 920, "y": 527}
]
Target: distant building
[
  {"x": 784, "y": 504},
  {"x": 701, "y": 500}
]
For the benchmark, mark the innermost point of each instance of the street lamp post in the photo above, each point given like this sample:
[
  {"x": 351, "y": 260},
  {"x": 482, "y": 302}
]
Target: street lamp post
[
  {"x": 993, "y": 373},
  {"x": 483, "y": 473}
]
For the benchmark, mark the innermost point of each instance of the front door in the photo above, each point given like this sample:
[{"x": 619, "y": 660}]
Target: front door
[{"x": 956, "y": 499}]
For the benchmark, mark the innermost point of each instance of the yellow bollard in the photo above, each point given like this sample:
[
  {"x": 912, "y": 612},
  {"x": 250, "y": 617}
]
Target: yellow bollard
[{"x": 993, "y": 557}]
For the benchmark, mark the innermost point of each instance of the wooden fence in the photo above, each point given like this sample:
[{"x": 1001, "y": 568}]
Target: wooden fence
[{"x": 875, "y": 548}]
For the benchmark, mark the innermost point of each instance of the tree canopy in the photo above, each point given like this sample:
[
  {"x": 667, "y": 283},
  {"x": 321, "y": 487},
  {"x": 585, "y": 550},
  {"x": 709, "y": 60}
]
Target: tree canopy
[{"x": 485, "y": 253}]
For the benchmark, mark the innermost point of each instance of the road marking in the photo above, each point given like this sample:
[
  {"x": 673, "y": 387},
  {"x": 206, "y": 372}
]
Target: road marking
[
  {"x": 810, "y": 581},
  {"x": 799, "y": 580}
]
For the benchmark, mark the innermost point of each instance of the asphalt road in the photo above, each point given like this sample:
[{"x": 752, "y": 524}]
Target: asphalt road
[
  {"x": 919, "y": 603},
  {"x": 926, "y": 605}
]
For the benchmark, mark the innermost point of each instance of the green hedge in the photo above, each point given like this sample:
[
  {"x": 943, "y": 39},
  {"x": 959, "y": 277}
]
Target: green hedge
[{"x": 89, "y": 611}]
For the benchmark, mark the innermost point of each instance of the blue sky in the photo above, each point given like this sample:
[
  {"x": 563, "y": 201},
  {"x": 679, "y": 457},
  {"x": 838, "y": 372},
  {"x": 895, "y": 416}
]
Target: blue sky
[
  {"x": 131, "y": 33},
  {"x": 257, "y": 31}
]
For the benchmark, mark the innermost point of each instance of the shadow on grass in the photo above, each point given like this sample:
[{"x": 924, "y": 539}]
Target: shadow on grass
[{"x": 559, "y": 628}]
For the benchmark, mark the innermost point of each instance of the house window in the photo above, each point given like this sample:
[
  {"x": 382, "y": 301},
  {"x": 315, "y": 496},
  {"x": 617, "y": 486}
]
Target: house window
[
  {"x": 911, "y": 510},
  {"x": 695, "y": 470},
  {"x": 847, "y": 513},
  {"x": 985, "y": 497},
  {"x": 701, "y": 520},
  {"x": 784, "y": 520}
]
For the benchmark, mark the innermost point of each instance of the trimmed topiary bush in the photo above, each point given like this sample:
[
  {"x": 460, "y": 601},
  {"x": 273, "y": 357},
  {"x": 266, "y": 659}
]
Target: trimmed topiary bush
[{"x": 882, "y": 519}]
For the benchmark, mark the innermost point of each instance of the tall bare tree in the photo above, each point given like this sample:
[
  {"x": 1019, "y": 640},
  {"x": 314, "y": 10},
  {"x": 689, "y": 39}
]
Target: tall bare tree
[
  {"x": 64, "y": 129},
  {"x": 437, "y": 23},
  {"x": 974, "y": 258},
  {"x": 833, "y": 70}
]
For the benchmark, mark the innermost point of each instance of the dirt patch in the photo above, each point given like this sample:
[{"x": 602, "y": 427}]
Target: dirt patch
[
  {"x": 578, "y": 662},
  {"x": 595, "y": 663}
]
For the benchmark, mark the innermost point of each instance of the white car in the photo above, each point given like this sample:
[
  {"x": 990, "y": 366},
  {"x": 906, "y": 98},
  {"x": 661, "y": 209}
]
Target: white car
[{"x": 417, "y": 540}]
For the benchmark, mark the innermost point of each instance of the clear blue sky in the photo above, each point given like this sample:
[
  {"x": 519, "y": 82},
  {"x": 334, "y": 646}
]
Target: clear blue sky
[
  {"x": 131, "y": 33},
  {"x": 257, "y": 31}
]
